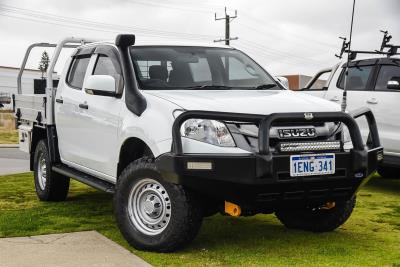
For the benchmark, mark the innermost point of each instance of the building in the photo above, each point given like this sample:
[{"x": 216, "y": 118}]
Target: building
[
  {"x": 32, "y": 82},
  {"x": 299, "y": 81}
]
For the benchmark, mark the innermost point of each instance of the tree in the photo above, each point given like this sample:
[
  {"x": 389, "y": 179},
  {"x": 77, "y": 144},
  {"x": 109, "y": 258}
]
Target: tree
[{"x": 44, "y": 63}]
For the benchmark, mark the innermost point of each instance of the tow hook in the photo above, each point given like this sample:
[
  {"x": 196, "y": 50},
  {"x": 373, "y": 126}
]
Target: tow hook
[
  {"x": 328, "y": 205},
  {"x": 232, "y": 209}
]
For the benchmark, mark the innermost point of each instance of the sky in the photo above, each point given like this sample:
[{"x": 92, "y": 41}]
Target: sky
[{"x": 284, "y": 36}]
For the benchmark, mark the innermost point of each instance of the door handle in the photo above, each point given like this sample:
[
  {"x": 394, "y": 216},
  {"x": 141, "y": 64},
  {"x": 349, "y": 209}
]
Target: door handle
[
  {"x": 372, "y": 101},
  {"x": 335, "y": 99},
  {"x": 59, "y": 100},
  {"x": 85, "y": 106}
]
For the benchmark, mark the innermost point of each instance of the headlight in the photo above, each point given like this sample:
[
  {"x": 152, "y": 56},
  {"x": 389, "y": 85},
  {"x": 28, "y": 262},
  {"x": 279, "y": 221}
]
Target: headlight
[{"x": 208, "y": 131}]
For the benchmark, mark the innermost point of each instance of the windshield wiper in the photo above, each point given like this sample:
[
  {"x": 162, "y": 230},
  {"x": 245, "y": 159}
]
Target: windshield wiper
[
  {"x": 265, "y": 86},
  {"x": 212, "y": 87}
]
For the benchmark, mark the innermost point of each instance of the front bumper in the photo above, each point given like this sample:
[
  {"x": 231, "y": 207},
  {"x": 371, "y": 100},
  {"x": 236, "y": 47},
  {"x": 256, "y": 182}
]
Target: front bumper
[{"x": 262, "y": 180}]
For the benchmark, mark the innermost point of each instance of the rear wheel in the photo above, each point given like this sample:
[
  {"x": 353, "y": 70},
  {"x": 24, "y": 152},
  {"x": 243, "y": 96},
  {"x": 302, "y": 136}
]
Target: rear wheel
[
  {"x": 322, "y": 219},
  {"x": 50, "y": 186},
  {"x": 153, "y": 214},
  {"x": 389, "y": 172}
]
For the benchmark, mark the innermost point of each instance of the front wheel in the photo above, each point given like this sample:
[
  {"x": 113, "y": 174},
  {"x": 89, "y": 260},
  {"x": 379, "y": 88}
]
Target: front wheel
[
  {"x": 153, "y": 214},
  {"x": 321, "y": 219},
  {"x": 50, "y": 186}
]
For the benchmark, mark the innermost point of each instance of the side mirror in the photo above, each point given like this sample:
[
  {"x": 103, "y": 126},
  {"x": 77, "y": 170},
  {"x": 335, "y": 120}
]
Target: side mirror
[
  {"x": 100, "y": 85},
  {"x": 394, "y": 83},
  {"x": 283, "y": 81}
]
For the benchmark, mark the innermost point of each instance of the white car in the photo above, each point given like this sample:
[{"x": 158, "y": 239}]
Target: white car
[
  {"x": 374, "y": 83},
  {"x": 179, "y": 132}
]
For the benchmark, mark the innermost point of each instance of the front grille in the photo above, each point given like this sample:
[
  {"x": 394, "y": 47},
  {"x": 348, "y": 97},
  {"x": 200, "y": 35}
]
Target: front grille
[
  {"x": 309, "y": 146},
  {"x": 323, "y": 141}
]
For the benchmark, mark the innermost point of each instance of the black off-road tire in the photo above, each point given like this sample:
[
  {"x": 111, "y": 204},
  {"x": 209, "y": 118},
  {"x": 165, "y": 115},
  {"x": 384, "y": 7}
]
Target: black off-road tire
[
  {"x": 56, "y": 186},
  {"x": 319, "y": 219},
  {"x": 186, "y": 210},
  {"x": 389, "y": 172}
]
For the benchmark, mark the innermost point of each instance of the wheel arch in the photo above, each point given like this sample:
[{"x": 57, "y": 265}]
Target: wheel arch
[
  {"x": 37, "y": 135},
  {"x": 133, "y": 148}
]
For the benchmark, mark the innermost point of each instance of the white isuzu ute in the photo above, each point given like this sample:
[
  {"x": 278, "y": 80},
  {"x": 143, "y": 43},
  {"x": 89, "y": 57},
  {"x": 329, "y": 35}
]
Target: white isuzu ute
[
  {"x": 372, "y": 83},
  {"x": 179, "y": 132}
]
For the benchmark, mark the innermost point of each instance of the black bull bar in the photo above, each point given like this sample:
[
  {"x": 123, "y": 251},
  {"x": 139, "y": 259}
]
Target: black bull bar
[{"x": 243, "y": 177}]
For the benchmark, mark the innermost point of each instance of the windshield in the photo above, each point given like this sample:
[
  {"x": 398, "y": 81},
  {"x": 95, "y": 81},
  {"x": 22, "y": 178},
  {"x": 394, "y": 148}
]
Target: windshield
[{"x": 169, "y": 68}]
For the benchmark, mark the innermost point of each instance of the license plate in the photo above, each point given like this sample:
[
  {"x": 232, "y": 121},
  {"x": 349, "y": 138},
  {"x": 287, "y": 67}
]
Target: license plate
[{"x": 308, "y": 165}]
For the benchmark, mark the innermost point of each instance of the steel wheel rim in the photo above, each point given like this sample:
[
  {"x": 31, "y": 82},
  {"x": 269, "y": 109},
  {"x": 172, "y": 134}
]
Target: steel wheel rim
[
  {"x": 149, "y": 207},
  {"x": 42, "y": 171}
]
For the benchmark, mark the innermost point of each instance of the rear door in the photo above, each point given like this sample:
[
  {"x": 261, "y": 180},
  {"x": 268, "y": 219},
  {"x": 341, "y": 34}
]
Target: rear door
[{"x": 68, "y": 117}]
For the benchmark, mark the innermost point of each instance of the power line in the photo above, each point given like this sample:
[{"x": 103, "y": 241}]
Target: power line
[
  {"x": 297, "y": 36},
  {"x": 164, "y": 5},
  {"x": 276, "y": 36},
  {"x": 280, "y": 52},
  {"x": 275, "y": 57},
  {"x": 42, "y": 17},
  {"x": 38, "y": 16}
]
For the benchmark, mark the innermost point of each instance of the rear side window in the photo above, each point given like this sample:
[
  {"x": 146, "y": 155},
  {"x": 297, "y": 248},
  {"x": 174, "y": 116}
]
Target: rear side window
[
  {"x": 357, "y": 79},
  {"x": 77, "y": 72},
  {"x": 386, "y": 73}
]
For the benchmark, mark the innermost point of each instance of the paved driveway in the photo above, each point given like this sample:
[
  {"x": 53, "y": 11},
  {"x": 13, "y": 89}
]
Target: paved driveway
[{"x": 13, "y": 161}]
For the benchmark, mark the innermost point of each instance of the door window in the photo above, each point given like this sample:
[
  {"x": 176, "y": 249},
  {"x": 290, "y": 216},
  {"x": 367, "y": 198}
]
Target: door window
[
  {"x": 105, "y": 66},
  {"x": 357, "y": 79},
  {"x": 386, "y": 73},
  {"x": 77, "y": 72}
]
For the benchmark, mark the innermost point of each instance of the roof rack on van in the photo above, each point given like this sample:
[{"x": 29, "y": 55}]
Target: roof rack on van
[{"x": 386, "y": 48}]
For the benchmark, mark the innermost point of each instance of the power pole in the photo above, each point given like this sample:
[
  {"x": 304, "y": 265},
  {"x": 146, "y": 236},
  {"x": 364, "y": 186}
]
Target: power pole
[{"x": 228, "y": 20}]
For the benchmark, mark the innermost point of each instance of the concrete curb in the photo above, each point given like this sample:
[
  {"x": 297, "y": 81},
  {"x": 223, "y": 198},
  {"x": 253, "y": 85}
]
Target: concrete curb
[
  {"x": 9, "y": 146},
  {"x": 65, "y": 250}
]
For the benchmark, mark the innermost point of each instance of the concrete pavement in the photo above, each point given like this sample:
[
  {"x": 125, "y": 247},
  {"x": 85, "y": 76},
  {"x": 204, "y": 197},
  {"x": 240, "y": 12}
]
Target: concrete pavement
[
  {"x": 73, "y": 249},
  {"x": 13, "y": 161}
]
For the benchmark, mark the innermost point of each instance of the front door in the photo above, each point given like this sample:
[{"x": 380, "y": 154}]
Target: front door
[
  {"x": 359, "y": 92},
  {"x": 386, "y": 108},
  {"x": 100, "y": 114}
]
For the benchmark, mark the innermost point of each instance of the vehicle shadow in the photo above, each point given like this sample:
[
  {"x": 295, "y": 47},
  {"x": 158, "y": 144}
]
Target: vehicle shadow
[
  {"x": 261, "y": 232},
  {"x": 385, "y": 184}
]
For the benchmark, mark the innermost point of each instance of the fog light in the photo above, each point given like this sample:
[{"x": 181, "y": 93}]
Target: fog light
[
  {"x": 199, "y": 165},
  {"x": 309, "y": 146}
]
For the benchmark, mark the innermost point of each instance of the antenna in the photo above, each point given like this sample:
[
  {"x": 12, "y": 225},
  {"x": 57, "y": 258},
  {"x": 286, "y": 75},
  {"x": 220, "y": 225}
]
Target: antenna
[{"x": 344, "y": 99}]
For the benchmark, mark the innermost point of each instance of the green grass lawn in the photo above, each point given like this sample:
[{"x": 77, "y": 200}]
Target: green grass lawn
[
  {"x": 370, "y": 238},
  {"x": 8, "y": 137}
]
